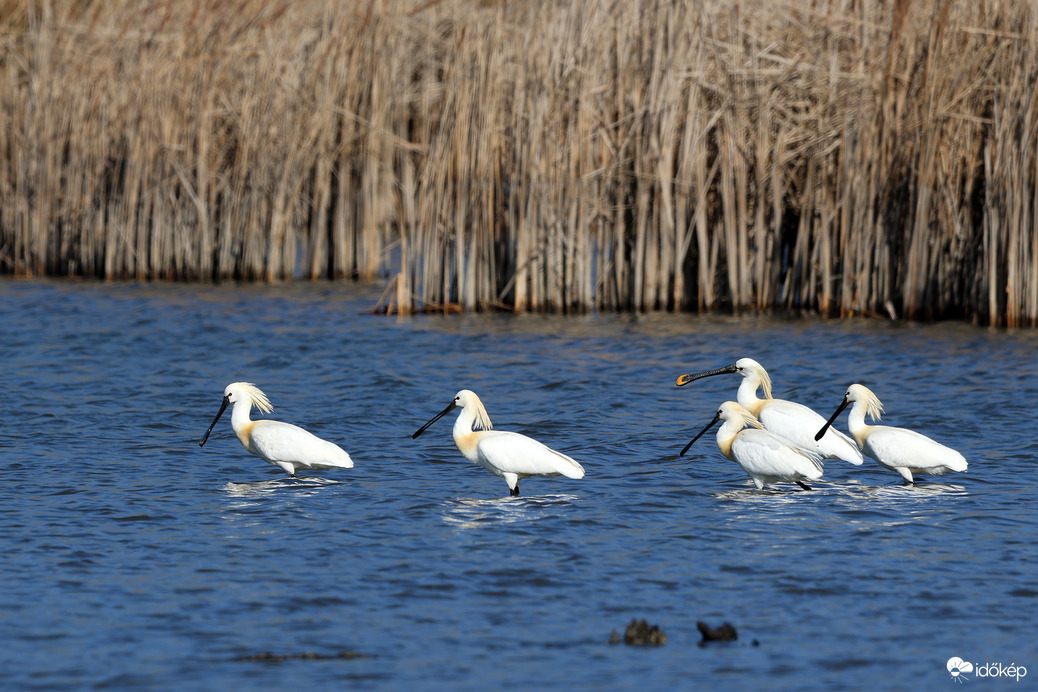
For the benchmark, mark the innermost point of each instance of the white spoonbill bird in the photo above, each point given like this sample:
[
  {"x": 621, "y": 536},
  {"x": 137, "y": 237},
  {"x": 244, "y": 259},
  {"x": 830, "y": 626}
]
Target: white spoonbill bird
[
  {"x": 793, "y": 421},
  {"x": 507, "y": 454},
  {"x": 766, "y": 456},
  {"x": 898, "y": 449},
  {"x": 281, "y": 444}
]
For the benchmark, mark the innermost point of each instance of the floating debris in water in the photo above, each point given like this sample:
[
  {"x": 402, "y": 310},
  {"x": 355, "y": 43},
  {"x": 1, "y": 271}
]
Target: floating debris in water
[
  {"x": 724, "y": 633},
  {"x": 639, "y": 633},
  {"x": 304, "y": 656}
]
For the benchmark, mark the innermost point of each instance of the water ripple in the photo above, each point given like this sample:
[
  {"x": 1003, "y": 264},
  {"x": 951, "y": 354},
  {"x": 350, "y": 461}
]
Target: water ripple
[{"x": 139, "y": 560}]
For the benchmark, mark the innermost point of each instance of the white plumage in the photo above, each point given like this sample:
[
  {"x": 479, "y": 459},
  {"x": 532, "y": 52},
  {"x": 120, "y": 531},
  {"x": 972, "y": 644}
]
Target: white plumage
[
  {"x": 506, "y": 454},
  {"x": 792, "y": 420},
  {"x": 898, "y": 449},
  {"x": 766, "y": 456},
  {"x": 282, "y": 444}
]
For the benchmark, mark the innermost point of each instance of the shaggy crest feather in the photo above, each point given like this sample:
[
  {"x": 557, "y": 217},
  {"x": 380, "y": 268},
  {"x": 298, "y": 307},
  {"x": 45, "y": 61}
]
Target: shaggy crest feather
[
  {"x": 765, "y": 384},
  {"x": 873, "y": 406},
  {"x": 482, "y": 421},
  {"x": 254, "y": 395}
]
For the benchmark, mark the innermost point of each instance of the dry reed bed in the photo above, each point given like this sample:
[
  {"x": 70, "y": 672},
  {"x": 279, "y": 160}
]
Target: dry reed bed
[{"x": 854, "y": 157}]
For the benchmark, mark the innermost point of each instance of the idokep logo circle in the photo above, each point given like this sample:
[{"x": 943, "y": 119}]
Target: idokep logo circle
[{"x": 956, "y": 666}]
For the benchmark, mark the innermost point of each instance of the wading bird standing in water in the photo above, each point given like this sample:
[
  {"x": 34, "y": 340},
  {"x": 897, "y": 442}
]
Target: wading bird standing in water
[
  {"x": 791, "y": 420},
  {"x": 898, "y": 449},
  {"x": 767, "y": 457},
  {"x": 506, "y": 454},
  {"x": 281, "y": 444}
]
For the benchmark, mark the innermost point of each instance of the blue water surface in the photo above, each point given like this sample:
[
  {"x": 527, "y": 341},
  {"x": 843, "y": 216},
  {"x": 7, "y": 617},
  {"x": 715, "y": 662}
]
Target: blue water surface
[{"x": 134, "y": 559}]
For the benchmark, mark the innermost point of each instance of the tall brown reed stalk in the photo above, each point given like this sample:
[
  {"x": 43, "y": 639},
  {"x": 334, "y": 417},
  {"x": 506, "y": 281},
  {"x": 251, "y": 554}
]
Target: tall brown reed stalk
[{"x": 850, "y": 157}]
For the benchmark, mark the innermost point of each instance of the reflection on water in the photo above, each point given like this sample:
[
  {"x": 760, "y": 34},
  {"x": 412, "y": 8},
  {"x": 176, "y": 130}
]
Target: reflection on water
[
  {"x": 475, "y": 513},
  {"x": 254, "y": 502},
  {"x": 259, "y": 489},
  {"x": 770, "y": 494},
  {"x": 849, "y": 489},
  {"x": 916, "y": 490}
]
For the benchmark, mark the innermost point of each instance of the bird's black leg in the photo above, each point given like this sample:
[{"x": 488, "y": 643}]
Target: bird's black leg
[
  {"x": 514, "y": 492},
  {"x": 803, "y": 485}
]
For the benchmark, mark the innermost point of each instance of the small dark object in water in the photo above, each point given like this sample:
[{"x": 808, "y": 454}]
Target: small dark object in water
[
  {"x": 304, "y": 656},
  {"x": 639, "y": 633},
  {"x": 724, "y": 633}
]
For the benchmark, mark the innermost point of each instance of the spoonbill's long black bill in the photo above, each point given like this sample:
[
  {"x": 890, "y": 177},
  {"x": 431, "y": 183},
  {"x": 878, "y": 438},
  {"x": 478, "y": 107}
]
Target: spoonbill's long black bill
[
  {"x": 223, "y": 407},
  {"x": 710, "y": 425},
  {"x": 438, "y": 416}
]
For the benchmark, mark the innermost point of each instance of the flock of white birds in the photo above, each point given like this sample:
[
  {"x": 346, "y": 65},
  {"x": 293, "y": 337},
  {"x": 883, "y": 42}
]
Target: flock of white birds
[
  {"x": 776, "y": 441},
  {"x": 772, "y": 440}
]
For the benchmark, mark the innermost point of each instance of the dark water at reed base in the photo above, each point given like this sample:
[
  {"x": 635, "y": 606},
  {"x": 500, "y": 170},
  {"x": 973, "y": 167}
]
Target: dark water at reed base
[{"x": 133, "y": 559}]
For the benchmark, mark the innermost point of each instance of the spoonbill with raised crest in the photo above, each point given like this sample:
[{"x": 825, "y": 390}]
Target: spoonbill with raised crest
[
  {"x": 898, "y": 449},
  {"x": 281, "y": 444},
  {"x": 766, "y": 456},
  {"x": 789, "y": 419},
  {"x": 506, "y": 454}
]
